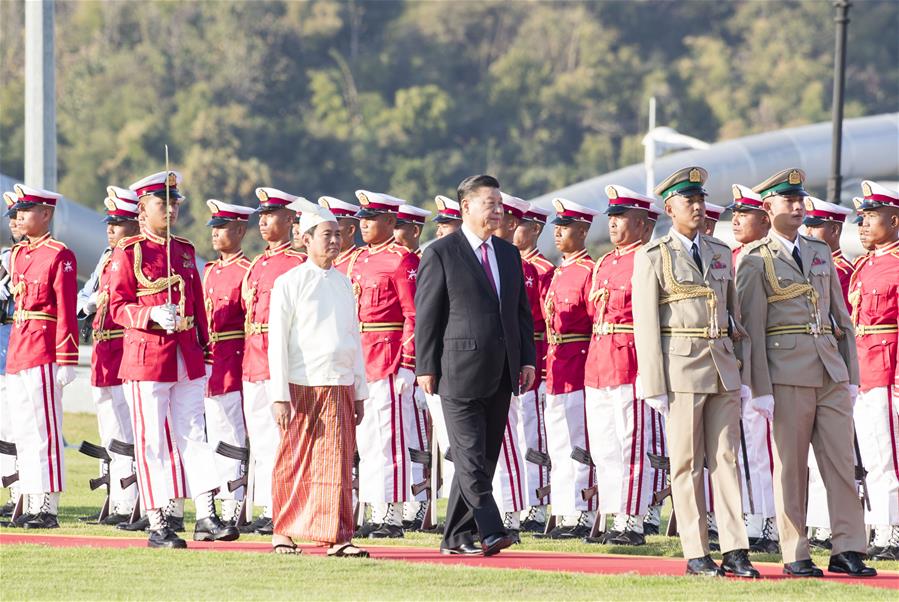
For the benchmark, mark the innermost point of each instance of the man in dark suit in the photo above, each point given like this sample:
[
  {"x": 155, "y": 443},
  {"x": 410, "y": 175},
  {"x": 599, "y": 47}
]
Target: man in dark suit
[{"x": 474, "y": 341}]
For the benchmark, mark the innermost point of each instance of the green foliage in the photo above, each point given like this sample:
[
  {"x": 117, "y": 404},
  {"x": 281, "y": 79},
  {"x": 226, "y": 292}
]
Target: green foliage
[{"x": 326, "y": 96}]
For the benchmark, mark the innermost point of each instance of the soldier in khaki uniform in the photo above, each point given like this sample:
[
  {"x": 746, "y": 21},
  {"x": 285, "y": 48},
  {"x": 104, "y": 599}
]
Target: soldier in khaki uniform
[
  {"x": 685, "y": 305},
  {"x": 804, "y": 375}
]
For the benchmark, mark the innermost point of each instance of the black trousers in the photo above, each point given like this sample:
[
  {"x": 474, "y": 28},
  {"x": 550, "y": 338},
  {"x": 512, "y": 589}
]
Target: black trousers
[{"x": 476, "y": 428}]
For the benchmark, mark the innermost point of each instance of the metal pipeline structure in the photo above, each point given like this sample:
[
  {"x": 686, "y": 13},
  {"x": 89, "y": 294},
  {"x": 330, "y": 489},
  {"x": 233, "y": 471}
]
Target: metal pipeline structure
[{"x": 870, "y": 152}]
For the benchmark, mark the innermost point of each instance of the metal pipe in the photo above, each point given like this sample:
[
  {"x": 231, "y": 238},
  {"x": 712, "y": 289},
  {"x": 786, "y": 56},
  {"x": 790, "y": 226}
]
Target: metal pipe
[{"x": 834, "y": 184}]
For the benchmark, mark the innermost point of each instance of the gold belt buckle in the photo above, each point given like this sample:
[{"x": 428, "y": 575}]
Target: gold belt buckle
[{"x": 813, "y": 329}]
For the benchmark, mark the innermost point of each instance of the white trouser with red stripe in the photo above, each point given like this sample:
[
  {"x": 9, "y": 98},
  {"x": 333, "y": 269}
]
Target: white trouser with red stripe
[
  {"x": 264, "y": 439},
  {"x": 657, "y": 446},
  {"x": 35, "y": 405},
  {"x": 877, "y": 427},
  {"x": 224, "y": 422},
  {"x": 438, "y": 430},
  {"x": 385, "y": 474},
  {"x": 417, "y": 438},
  {"x": 565, "y": 430},
  {"x": 509, "y": 477},
  {"x": 616, "y": 424},
  {"x": 757, "y": 431},
  {"x": 7, "y": 463},
  {"x": 532, "y": 435},
  {"x": 114, "y": 422},
  {"x": 170, "y": 448}
]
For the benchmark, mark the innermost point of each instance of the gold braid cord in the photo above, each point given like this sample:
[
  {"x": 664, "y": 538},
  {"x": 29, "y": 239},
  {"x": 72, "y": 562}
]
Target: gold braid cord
[
  {"x": 785, "y": 293},
  {"x": 153, "y": 287},
  {"x": 681, "y": 292},
  {"x": 549, "y": 307},
  {"x": 855, "y": 294},
  {"x": 17, "y": 289}
]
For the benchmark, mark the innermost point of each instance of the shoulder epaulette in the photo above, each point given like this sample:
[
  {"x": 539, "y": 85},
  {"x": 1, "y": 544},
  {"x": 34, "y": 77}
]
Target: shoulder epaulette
[
  {"x": 130, "y": 240},
  {"x": 716, "y": 241},
  {"x": 654, "y": 244},
  {"x": 398, "y": 249},
  {"x": 544, "y": 261},
  {"x": 603, "y": 258},
  {"x": 586, "y": 263},
  {"x": 243, "y": 261},
  {"x": 295, "y": 253},
  {"x": 813, "y": 240},
  {"x": 58, "y": 245},
  {"x": 749, "y": 247},
  {"x": 182, "y": 239}
]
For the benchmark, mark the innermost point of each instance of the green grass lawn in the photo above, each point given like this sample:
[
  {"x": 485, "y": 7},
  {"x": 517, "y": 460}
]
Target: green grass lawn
[{"x": 41, "y": 573}]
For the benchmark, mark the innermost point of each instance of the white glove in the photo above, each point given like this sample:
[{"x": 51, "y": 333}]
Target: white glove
[
  {"x": 164, "y": 315},
  {"x": 403, "y": 381},
  {"x": 745, "y": 398},
  {"x": 659, "y": 404},
  {"x": 853, "y": 393},
  {"x": 4, "y": 292},
  {"x": 208, "y": 371},
  {"x": 65, "y": 375},
  {"x": 764, "y": 405},
  {"x": 91, "y": 305}
]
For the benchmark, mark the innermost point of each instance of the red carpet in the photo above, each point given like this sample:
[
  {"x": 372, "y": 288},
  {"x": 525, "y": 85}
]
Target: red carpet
[{"x": 607, "y": 564}]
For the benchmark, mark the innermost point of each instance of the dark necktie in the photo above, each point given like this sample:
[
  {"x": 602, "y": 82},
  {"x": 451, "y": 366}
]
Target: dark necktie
[
  {"x": 797, "y": 257},
  {"x": 486, "y": 263},
  {"x": 695, "y": 251}
]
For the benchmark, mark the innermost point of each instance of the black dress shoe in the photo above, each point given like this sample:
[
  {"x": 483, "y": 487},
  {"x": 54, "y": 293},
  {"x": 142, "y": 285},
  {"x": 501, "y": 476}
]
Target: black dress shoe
[
  {"x": 850, "y": 563},
  {"x": 43, "y": 520},
  {"x": 251, "y": 527},
  {"x": 603, "y": 538},
  {"x": 92, "y": 518},
  {"x": 465, "y": 549},
  {"x": 763, "y": 545},
  {"x": 165, "y": 538},
  {"x": 266, "y": 528},
  {"x": 802, "y": 568},
  {"x": 212, "y": 528},
  {"x": 704, "y": 567},
  {"x": 114, "y": 519},
  {"x": 627, "y": 538},
  {"x": 821, "y": 544},
  {"x": 141, "y": 524},
  {"x": 7, "y": 509},
  {"x": 736, "y": 563},
  {"x": 20, "y": 521},
  {"x": 365, "y": 529},
  {"x": 494, "y": 543},
  {"x": 515, "y": 534},
  {"x": 387, "y": 531}
]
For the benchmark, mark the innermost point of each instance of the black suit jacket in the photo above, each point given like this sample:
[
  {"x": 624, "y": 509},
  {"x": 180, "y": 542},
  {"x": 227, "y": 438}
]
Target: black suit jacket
[{"x": 462, "y": 334}]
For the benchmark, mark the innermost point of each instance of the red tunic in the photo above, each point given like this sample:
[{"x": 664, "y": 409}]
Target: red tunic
[
  {"x": 256, "y": 294},
  {"x": 874, "y": 294},
  {"x": 137, "y": 284},
  {"x": 225, "y": 315},
  {"x": 569, "y": 326},
  {"x": 45, "y": 288},
  {"x": 612, "y": 358},
  {"x": 343, "y": 260},
  {"x": 844, "y": 271},
  {"x": 544, "y": 269},
  {"x": 109, "y": 336},
  {"x": 735, "y": 253},
  {"x": 383, "y": 278}
]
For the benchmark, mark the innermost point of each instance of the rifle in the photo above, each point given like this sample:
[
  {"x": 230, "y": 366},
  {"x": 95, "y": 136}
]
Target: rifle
[
  {"x": 9, "y": 449},
  {"x": 541, "y": 459},
  {"x": 127, "y": 449},
  {"x": 746, "y": 468},
  {"x": 662, "y": 463},
  {"x": 426, "y": 459},
  {"x": 99, "y": 452},
  {"x": 861, "y": 473},
  {"x": 242, "y": 454},
  {"x": 582, "y": 456}
]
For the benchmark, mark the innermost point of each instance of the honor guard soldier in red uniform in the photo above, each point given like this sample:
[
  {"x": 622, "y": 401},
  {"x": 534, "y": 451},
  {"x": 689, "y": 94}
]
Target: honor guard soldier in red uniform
[
  {"x": 222, "y": 280},
  {"x": 449, "y": 215},
  {"x": 275, "y": 223},
  {"x": 874, "y": 294},
  {"x": 750, "y": 223},
  {"x": 349, "y": 227},
  {"x": 616, "y": 416},
  {"x": 712, "y": 216},
  {"x": 410, "y": 221},
  {"x": 383, "y": 276},
  {"x": 509, "y": 480},
  {"x": 155, "y": 295},
  {"x": 568, "y": 333},
  {"x": 113, "y": 413},
  {"x": 532, "y": 428},
  {"x": 43, "y": 352}
]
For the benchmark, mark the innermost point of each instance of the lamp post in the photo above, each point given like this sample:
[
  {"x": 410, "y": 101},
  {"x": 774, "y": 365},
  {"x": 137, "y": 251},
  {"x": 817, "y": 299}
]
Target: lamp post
[
  {"x": 835, "y": 182},
  {"x": 659, "y": 140}
]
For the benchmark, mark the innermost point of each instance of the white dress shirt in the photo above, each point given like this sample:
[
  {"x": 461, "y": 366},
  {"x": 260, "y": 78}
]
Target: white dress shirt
[
  {"x": 475, "y": 241},
  {"x": 686, "y": 242},
  {"x": 313, "y": 337},
  {"x": 787, "y": 244}
]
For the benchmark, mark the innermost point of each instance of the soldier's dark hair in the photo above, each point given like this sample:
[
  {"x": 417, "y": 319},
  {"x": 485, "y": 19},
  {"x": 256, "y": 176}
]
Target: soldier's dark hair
[{"x": 472, "y": 183}]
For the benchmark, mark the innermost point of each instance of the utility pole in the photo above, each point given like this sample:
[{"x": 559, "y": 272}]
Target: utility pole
[
  {"x": 40, "y": 95},
  {"x": 835, "y": 182}
]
